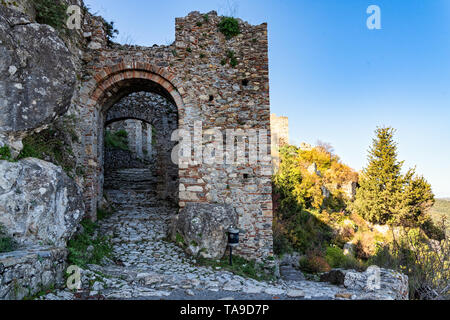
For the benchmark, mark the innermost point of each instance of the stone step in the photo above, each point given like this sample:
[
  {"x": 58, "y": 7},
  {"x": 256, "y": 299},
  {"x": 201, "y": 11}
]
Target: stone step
[{"x": 288, "y": 273}]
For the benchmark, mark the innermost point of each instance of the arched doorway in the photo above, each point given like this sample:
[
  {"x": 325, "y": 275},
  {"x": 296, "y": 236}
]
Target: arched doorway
[
  {"x": 138, "y": 147},
  {"x": 111, "y": 86}
]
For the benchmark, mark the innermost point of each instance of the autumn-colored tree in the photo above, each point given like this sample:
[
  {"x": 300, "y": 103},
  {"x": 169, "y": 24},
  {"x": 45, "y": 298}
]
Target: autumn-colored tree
[
  {"x": 298, "y": 184},
  {"x": 300, "y": 190}
]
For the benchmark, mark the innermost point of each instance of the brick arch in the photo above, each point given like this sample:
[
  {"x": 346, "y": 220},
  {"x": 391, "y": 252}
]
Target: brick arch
[
  {"x": 107, "y": 86},
  {"x": 110, "y": 78}
]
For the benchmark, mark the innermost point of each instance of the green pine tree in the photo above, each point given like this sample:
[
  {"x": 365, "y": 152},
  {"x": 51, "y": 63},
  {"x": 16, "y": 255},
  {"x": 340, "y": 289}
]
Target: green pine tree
[
  {"x": 417, "y": 200},
  {"x": 379, "y": 196},
  {"x": 385, "y": 195}
]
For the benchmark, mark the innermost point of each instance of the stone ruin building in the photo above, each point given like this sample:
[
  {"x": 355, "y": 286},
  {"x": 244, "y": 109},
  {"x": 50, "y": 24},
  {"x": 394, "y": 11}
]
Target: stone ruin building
[
  {"x": 279, "y": 127},
  {"x": 47, "y": 76}
]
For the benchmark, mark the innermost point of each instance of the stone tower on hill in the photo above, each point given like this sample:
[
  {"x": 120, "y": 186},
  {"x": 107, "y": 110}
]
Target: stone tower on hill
[{"x": 279, "y": 127}]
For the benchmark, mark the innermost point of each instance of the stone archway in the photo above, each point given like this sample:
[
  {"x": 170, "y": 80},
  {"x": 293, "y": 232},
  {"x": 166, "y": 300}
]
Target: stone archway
[
  {"x": 148, "y": 120},
  {"x": 109, "y": 86}
]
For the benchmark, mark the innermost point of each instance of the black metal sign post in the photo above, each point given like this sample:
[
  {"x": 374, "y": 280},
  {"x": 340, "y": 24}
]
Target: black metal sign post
[{"x": 231, "y": 256}]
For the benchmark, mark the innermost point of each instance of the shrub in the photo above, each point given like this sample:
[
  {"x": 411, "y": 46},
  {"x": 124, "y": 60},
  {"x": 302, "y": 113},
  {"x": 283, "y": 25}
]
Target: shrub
[
  {"x": 229, "y": 26},
  {"x": 314, "y": 264},
  {"x": 231, "y": 58},
  {"x": 51, "y": 12},
  {"x": 427, "y": 264},
  {"x": 111, "y": 31},
  {"x": 359, "y": 221},
  {"x": 233, "y": 62},
  {"x": 335, "y": 257},
  {"x": 295, "y": 181},
  {"x": 179, "y": 240},
  {"x": 103, "y": 214},
  {"x": 436, "y": 230},
  {"x": 314, "y": 261},
  {"x": 302, "y": 228},
  {"x": 117, "y": 140}
]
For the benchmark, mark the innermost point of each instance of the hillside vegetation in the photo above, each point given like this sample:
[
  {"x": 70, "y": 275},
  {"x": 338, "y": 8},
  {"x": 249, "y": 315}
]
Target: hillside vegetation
[
  {"x": 440, "y": 211},
  {"x": 386, "y": 222}
]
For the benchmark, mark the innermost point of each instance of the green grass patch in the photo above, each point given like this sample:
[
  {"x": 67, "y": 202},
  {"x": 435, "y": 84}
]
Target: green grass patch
[
  {"x": 40, "y": 293},
  {"x": 180, "y": 240},
  {"x": 86, "y": 248},
  {"x": 5, "y": 154}
]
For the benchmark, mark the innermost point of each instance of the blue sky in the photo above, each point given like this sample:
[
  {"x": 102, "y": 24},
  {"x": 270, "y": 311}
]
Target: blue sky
[{"x": 333, "y": 77}]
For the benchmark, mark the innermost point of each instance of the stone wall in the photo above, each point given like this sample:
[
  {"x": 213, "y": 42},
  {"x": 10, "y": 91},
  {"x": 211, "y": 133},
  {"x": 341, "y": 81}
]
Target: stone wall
[{"x": 25, "y": 272}]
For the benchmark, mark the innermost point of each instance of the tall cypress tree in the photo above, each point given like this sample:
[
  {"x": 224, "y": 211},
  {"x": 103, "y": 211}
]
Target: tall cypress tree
[{"x": 379, "y": 197}]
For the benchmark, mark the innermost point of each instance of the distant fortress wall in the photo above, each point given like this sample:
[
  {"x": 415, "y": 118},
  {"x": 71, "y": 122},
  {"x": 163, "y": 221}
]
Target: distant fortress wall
[{"x": 279, "y": 127}]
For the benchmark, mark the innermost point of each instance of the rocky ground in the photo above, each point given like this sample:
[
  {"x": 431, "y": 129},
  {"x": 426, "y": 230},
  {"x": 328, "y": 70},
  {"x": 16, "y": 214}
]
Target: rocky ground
[{"x": 147, "y": 267}]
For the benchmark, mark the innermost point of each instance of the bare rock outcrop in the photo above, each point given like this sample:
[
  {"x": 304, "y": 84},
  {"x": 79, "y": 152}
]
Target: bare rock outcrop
[{"x": 37, "y": 76}]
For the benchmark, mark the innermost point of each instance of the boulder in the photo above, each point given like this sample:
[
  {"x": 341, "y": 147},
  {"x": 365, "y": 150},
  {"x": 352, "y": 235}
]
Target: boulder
[
  {"x": 373, "y": 284},
  {"x": 39, "y": 203},
  {"x": 202, "y": 228},
  {"x": 37, "y": 75},
  {"x": 335, "y": 276}
]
